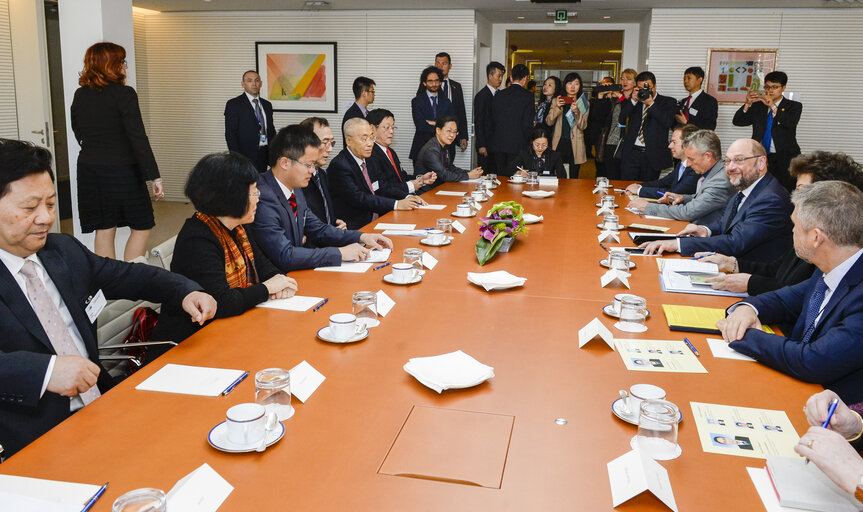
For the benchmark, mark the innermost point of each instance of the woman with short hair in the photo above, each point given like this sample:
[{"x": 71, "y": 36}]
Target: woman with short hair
[
  {"x": 434, "y": 157},
  {"x": 538, "y": 157}
]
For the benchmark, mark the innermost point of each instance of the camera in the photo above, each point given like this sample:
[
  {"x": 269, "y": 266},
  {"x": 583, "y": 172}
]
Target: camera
[
  {"x": 645, "y": 93},
  {"x": 607, "y": 88}
]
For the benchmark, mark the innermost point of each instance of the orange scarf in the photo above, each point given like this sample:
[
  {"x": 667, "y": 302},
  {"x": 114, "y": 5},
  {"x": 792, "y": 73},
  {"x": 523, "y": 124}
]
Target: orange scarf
[{"x": 239, "y": 261}]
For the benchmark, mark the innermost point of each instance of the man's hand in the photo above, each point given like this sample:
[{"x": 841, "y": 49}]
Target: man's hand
[
  {"x": 354, "y": 252},
  {"x": 72, "y": 375},
  {"x": 376, "y": 241},
  {"x": 463, "y": 145},
  {"x": 680, "y": 117},
  {"x": 658, "y": 247},
  {"x": 725, "y": 263},
  {"x": 751, "y": 97},
  {"x": 843, "y": 420},
  {"x": 200, "y": 306},
  {"x": 425, "y": 179},
  {"x": 737, "y": 283},
  {"x": 633, "y": 189},
  {"x": 693, "y": 230},
  {"x": 475, "y": 173},
  {"x": 482, "y": 151},
  {"x": 670, "y": 198},
  {"x": 833, "y": 455},
  {"x": 281, "y": 286},
  {"x": 340, "y": 224},
  {"x": 409, "y": 203},
  {"x": 637, "y": 203},
  {"x": 734, "y": 326}
]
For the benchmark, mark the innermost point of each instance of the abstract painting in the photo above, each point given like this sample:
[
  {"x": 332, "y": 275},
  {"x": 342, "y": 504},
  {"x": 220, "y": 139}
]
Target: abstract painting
[
  {"x": 731, "y": 73},
  {"x": 297, "y": 76}
]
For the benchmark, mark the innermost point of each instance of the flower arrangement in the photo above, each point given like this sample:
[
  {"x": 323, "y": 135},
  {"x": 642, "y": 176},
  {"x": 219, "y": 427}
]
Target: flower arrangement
[{"x": 504, "y": 221}]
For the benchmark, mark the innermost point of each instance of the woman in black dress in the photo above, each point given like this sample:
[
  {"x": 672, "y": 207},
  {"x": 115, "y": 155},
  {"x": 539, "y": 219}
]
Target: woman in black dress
[{"x": 115, "y": 161}]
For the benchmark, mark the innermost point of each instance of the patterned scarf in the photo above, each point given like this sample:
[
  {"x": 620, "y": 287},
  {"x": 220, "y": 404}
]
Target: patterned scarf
[{"x": 239, "y": 261}]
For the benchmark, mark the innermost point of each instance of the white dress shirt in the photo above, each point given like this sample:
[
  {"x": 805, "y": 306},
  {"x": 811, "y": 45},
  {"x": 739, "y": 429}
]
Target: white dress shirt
[
  {"x": 492, "y": 89},
  {"x": 263, "y": 114}
]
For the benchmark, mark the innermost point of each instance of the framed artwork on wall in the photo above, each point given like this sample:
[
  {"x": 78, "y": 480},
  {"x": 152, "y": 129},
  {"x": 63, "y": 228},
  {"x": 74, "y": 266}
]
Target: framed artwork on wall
[
  {"x": 732, "y": 72},
  {"x": 298, "y": 76}
]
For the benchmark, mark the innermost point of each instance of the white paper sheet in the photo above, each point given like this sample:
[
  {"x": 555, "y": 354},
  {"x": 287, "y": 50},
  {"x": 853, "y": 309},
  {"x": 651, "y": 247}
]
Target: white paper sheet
[
  {"x": 631, "y": 474},
  {"x": 675, "y": 282},
  {"x": 202, "y": 490},
  {"x": 355, "y": 268},
  {"x": 18, "y": 503},
  {"x": 405, "y": 232},
  {"x": 613, "y": 274},
  {"x": 761, "y": 481},
  {"x": 593, "y": 329},
  {"x": 458, "y": 226},
  {"x": 429, "y": 261},
  {"x": 432, "y": 207},
  {"x": 52, "y": 491},
  {"x": 378, "y": 255},
  {"x": 689, "y": 266},
  {"x": 305, "y": 380},
  {"x": 473, "y": 180},
  {"x": 385, "y": 303},
  {"x": 723, "y": 350},
  {"x": 654, "y": 217},
  {"x": 295, "y": 303},
  {"x": 383, "y": 225},
  {"x": 449, "y": 193},
  {"x": 190, "y": 380},
  {"x": 547, "y": 182}
]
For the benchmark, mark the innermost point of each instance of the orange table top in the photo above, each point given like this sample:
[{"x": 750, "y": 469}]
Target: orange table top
[{"x": 337, "y": 441}]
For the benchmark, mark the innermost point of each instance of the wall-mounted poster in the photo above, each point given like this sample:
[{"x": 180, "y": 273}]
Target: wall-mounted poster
[
  {"x": 731, "y": 73},
  {"x": 298, "y": 77}
]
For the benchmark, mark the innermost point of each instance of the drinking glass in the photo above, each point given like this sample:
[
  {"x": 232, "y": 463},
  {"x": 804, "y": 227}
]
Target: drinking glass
[
  {"x": 273, "y": 391},
  {"x": 414, "y": 257},
  {"x": 619, "y": 260},
  {"x": 532, "y": 177},
  {"x": 445, "y": 225},
  {"x": 633, "y": 311},
  {"x": 657, "y": 429},
  {"x": 366, "y": 308},
  {"x": 607, "y": 202},
  {"x": 610, "y": 221},
  {"x": 152, "y": 500},
  {"x": 602, "y": 182}
]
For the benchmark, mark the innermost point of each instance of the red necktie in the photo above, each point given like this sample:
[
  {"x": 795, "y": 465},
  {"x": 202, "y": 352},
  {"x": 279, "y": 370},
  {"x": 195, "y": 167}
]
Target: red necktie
[
  {"x": 393, "y": 161},
  {"x": 686, "y": 112},
  {"x": 293, "y": 202}
]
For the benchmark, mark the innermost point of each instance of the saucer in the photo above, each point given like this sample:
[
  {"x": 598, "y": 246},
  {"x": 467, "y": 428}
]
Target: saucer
[
  {"x": 370, "y": 322},
  {"x": 425, "y": 241},
  {"x": 218, "y": 439},
  {"x": 634, "y": 328},
  {"x": 617, "y": 409},
  {"x": 618, "y": 228},
  {"x": 456, "y": 214},
  {"x": 615, "y": 205},
  {"x": 389, "y": 278},
  {"x": 604, "y": 263},
  {"x": 517, "y": 182},
  {"x": 608, "y": 310},
  {"x": 633, "y": 443},
  {"x": 324, "y": 334}
]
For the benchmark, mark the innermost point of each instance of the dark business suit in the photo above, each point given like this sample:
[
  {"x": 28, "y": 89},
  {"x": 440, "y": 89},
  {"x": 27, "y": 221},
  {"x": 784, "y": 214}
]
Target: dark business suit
[
  {"x": 685, "y": 184},
  {"x": 242, "y": 129},
  {"x": 772, "y": 275},
  {"x": 421, "y": 110},
  {"x": 783, "y": 132},
  {"x": 551, "y": 165},
  {"x": 280, "y": 235},
  {"x": 393, "y": 181},
  {"x": 702, "y": 112},
  {"x": 25, "y": 350},
  {"x": 353, "y": 111},
  {"x": 355, "y": 202},
  {"x": 483, "y": 128},
  {"x": 512, "y": 112},
  {"x": 760, "y": 230},
  {"x": 433, "y": 158},
  {"x": 318, "y": 198},
  {"x": 833, "y": 356},
  {"x": 638, "y": 164},
  {"x": 455, "y": 94}
]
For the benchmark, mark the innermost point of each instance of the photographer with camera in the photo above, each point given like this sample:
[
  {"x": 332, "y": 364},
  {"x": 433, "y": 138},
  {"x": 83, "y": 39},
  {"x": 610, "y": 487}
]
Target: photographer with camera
[
  {"x": 605, "y": 113},
  {"x": 648, "y": 117},
  {"x": 699, "y": 108}
]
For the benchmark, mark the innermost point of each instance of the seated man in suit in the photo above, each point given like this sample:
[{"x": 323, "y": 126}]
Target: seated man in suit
[
  {"x": 394, "y": 182},
  {"x": 774, "y": 123},
  {"x": 357, "y": 197},
  {"x": 426, "y": 106},
  {"x": 317, "y": 192},
  {"x": 364, "y": 94},
  {"x": 703, "y": 153},
  {"x": 681, "y": 180},
  {"x": 699, "y": 108},
  {"x": 49, "y": 362},
  {"x": 647, "y": 116},
  {"x": 755, "y": 224},
  {"x": 283, "y": 219},
  {"x": 826, "y": 309},
  {"x": 512, "y": 112},
  {"x": 249, "y": 122}
]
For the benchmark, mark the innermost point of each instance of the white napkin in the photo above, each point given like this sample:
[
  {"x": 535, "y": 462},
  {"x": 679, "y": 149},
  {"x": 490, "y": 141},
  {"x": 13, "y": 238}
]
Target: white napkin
[
  {"x": 448, "y": 371},
  {"x": 530, "y": 218},
  {"x": 538, "y": 194},
  {"x": 500, "y": 280}
]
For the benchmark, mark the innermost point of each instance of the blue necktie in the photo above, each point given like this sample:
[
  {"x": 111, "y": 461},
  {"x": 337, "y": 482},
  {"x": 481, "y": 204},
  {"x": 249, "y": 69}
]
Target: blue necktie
[
  {"x": 681, "y": 171},
  {"x": 733, "y": 213},
  {"x": 768, "y": 132},
  {"x": 814, "y": 307}
]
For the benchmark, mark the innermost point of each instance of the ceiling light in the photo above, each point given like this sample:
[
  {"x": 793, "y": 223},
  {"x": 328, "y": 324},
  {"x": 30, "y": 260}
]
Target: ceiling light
[
  {"x": 606, "y": 17},
  {"x": 317, "y": 4},
  {"x": 521, "y": 17}
]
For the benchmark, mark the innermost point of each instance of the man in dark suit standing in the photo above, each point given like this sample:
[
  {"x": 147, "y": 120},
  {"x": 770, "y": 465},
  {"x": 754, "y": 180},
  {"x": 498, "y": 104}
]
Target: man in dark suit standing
[
  {"x": 756, "y": 224},
  {"x": 512, "y": 112},
  {"x": 774, "y": 123},
  {"x": 454, "y": 93},
  {"x": 394, "y": 181},
  {"x": 51, "y": 291},
  {"x": 647, "y": 116},
  {"x": 426, "y": 107},
  {"x": 364, "y": 94},
  {"x": 483, "y": 125},
  {"x": 681, "y": 180},
  {"x": 699, "y": 108},
  {"x": 249, "y": 122},
  {"x": 317, "y": 192},
  {"x": 826, "y": 309}
]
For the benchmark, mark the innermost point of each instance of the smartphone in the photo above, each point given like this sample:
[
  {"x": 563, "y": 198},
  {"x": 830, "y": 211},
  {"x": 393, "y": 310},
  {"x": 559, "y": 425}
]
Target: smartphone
[
  {"x": 568, "y": 100},
  {"x": 761, "y": 93},
  {"x": 633, "y": 250}
]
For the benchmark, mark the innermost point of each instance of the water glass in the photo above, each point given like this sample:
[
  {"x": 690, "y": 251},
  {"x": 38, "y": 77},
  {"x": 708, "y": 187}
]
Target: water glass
[
  {"x": 445, "y": 225},
  {"x": 602, "y": 182},
  {"x": 607, "y": 202},
  {"x": 366, "y": 307},
  {"x": 532, "y": 177},
  {"x": 152, "y": 500},
  {"x": 619, "y": 260},
  {"x": 633, "y": 311},
  {"x": 273, "y": 391},
  {"x": 657, "y": 429},
  {"x": 414, "y": 257},
  {"x": 610, "y": 221}
]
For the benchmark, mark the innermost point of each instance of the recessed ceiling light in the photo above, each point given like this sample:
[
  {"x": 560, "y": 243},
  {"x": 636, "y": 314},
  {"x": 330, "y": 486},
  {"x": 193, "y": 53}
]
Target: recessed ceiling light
[
  {"x": 606, "y": 17},
  {"x": 521, "y": 17},
  {"x": 317, "y": 4}
]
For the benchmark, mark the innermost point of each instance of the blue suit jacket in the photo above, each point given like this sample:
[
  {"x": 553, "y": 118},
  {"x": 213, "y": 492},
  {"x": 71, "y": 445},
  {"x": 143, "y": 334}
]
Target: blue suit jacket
[
  {"x": 759, "y": 231},
  {"x": 833, "y": 357},
  {"x": 421, "y": 110},
  {"x": 670, "y": 183},
  {"x": 354, "y": 201},
  {"x": 280, "y": 235}
]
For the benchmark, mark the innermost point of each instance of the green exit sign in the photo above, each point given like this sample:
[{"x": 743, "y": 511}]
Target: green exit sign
[{"x": 560, "y": 16}]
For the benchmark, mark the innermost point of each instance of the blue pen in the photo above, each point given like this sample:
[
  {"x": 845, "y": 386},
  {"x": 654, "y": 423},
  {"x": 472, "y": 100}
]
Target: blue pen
[
  {"x": 660, "y": 194},
  {"x": 95, "y": 497},
  {"x": 381, "y": 266},
  {"x": 604, "y": 247},
  {"x": 691, "y": 347},
  {"x": 702, "y": 256},
  {"x": 833, "y": 404},
  {"x": 235, "y": 383},
  {"x": 320, "y": 304}
]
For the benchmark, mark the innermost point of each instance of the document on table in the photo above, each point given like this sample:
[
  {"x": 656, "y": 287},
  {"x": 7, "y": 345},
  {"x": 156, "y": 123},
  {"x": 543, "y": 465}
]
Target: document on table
[
  {"x": 18, "y": 503},
  {"x": 743, "y": 431},
  {"x": 761, "y": 481},
  {"x": 473, "y": 180},
  {"x": 357, "y": 267},
  {"x": 696, "y": 319},
  {"x": 190, "y": 380},
  {"x": 405, "y": 232},
  {"x": 449, "y": 193},
  {"x": 650, "y": 227},
  {"x": 384, "y": 226},
  {"x": 295, "y": 303},
  {"x": 24, "y": 494},
  {"x": 675, "y": 282},
  {"x": 378, "y": 255},
  {"x": 687, "y": 266},
  {"x": 658, "y": 356},
  {"x": 723, "y": 350},
  {"x": 202, "y": 490},
  {"x": 432, "y": 207}
]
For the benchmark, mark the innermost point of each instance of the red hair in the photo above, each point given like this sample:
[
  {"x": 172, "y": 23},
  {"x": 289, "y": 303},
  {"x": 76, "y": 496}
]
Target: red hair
[{"x": 103, "y": 65}]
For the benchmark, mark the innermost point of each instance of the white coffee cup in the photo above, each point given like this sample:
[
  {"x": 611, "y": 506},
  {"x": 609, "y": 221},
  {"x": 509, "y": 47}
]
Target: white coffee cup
[
  {"x": 247, "y": 423},
  {"x": 436, "y": 236},
  {"x": 518, "y": 178},
  {"x": 618, "y": 299},
  {"x": 404, "y": 272},
  {"x": 344, "y": 325},
  {"x": 641, "y": 392},
  {"x": 463, "y": 209},
  {"x": 478, "y": 195}
]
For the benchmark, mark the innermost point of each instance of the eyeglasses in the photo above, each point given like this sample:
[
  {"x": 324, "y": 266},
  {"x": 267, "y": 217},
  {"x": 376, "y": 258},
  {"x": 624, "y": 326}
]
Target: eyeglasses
[
  {"x": 310, "y": 167},
  {"x": 771, "y": 87},
  {"x": 540, "y": 146},
  {"x": 738, "y": 159},
  {"x": 328, "y": 142},
  {"x": 365, "y": 139},
  {"x": 432, "y": 81}
]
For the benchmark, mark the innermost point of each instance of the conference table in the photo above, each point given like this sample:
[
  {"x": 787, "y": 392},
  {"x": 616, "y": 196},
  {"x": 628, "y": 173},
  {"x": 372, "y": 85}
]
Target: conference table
[{"x": 334, "y": 446}]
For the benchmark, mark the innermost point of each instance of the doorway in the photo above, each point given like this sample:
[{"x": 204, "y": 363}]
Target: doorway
[{"x": 58, "y": 116}]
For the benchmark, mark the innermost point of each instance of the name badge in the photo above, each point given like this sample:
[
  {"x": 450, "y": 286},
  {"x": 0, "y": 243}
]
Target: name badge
[
  {"x": 263, "y": 139},
  {"x": 693, "y": 112},
  {"x": 375, "y": 186},
  {"x": 95, "y": 305}
]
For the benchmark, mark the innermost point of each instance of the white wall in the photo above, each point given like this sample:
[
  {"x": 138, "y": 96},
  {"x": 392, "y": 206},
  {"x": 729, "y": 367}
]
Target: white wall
[
  {"x": 8, "y": 109},
  {"x": 820, "y": 49},
  {"x": 190, "y": 64}
]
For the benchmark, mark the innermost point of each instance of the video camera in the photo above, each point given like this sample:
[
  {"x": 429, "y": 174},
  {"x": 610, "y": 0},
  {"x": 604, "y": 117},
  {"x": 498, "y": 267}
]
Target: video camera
[{"x": 607, "y": 88}]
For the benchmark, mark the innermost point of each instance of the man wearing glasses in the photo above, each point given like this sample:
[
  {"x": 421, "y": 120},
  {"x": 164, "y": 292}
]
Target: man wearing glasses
[
  {"x": 774, "y": 124},
  {"x": 364, "y": 94},
  {"x": 395, "y": 182},
  {"x": 756, "y": 224},
  {"x": 317, "y": 192},
  {"x": 426, "y": 107}
]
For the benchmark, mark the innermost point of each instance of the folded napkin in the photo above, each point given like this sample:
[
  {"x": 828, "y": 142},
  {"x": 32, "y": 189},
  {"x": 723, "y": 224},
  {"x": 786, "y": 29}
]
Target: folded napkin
[
  {"x": 530, "y": 218},
  {"x": 538, "y": 194},
  {"x": 500, "y": 280},
  {"x": 448, "y": 371}
]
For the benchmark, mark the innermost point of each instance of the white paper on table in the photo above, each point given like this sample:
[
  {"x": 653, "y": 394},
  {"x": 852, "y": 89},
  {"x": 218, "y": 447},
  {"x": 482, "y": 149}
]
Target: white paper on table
[
  {"x": 378, "y": 255},
  {"x": 721, "y": 349},
  {"x": 52, "y": 491},
  {"x": 654, "y": 217},
  {"x": 295, "y": 303},
  {"x": 202, "y": 490},
  {"x": 631, "y": 474},
  {"x": 19, "y": 503},
  {"x": 357, "y": 267},
  {"x": 608, "y": 233},
  {"x": 604, "y": 210},
  {"x": 449, "y": 193},
  {"x": 489, "y": 192},
  {"x": 190, "y": 380},
  {"x": 432, "y": 207},
  {"x": 613, "y": 274},
  {"x": 498, "y": 280},
  {"x": 385, "y": 225},
  {"x": 633, "y": 210},
  {"x": 593, "y": 329},
  {"x": 530, "y": 218},
  {"x": 547, "y": 182},
  {"x": 458, "y": 226},
  {"x": 473, "y": 180},
  {"x": 761, "y": 481},
  {"x": 689, "y": 266},
  {"x": 428, "y": 260},
  {"x": 305, "y": 380},
  {"x": 406, "y": 232},
  {"x": 385, "y": 303}
]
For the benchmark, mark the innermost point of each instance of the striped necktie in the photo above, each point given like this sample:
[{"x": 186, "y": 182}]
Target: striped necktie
[{"x": 644, "y": 109}]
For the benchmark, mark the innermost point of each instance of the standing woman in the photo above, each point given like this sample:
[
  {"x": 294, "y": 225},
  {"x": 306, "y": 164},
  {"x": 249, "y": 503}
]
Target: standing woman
[
  {"x": 569, "y": 122},
  {"x": 551, "y": 89},
  {"x": 608, "y": 163},
  {"x": 115, "y": 161}
]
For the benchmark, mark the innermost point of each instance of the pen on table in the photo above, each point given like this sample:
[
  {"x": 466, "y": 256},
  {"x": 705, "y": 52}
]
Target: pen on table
[
  {"x": 702, "y": 256},
  {"x": 604, "y": 247},
  {"x": 321, "y": 303},
  {"x": 691, "y": 347},
  {"x": 379, "y": 267},
  {"x": 95, "y": 497},
  {"x": 619, "y": 190},
  {"x": 235, "y": 383},
  {"x": 826, "y": 424}
]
